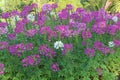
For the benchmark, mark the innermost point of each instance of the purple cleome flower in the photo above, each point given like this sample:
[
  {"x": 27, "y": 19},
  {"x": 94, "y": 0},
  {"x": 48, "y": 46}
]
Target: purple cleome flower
[
  {"x": 67, "y": 48},
  {"x": 63, "y": 15},
  {"x": 3, "y": 30},
  {"x": 3, "y": 24},
  {"x": 76, "y": 28},
  {"x": 19, "y": 27},
  {"x": 69, "y": 7},
  {"x": 112, "y": 29},
  {"x": 48, "y": 31},
  {"x": 12, "y": 36},
  {"x": 54, "y": 5},
  {"x": 2, "y": 68},
  {"x": 89, "y": 52},
  {"x": 15, "y": 12},
  {"x": 86, "y": 17},
  {"x": 31, "y": 33},
  {"x": 117, "y": 42},
  {"x": 100, "y": 15},
  {"x": 25, "y": 11},
  {"x": 17, "y": 49},
  {"x": 86, "y": 34},
  {"x": 46, "y": 51},
  {"x": 34, "y": 5},
  {"x": 55, "y": 67},
  {"x": 46, "y": 7},
  {"x": 75, "y": 16},
  {"x": 6, "y": 15},
  {"x": 31, "y": 60},
  {"x": 3, "y": 45},
  {"x": 41, "y": 18},
  {"x": 99, "y": 27},
  {"x": 79, "y": 10},
  {"x": 105, "y": 50},
  {"x": 29, "y": 46},
  {"x": 98, "y": 45},
  {"x": 63, "y": 30}
]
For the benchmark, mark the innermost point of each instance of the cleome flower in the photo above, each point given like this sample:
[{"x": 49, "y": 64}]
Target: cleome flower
[
  {"x": 31, "y": 17},
  {"x": 12, "y": 36},
  {"x": 89, "y": 52},
  {"x": 44, "y": 50},
  {"x": 55, "y": 67},
  {"x": 3, "y": 45},
  {"x": 58, "y": 44},
  {"x": 111, "y": 44},
  {"x": 16, "y": 49},
  {"x": 115, "y": 18},
  {"x": 67, "y": 48},
  {"x": 31, "y": 60},
  {"x": 3, "y": 31},
  {"x": 2, "y": 68}
]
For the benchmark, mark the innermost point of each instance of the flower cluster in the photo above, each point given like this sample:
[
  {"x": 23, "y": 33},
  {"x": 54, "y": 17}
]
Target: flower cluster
[
  {"x": 100, "y": 46},
  {"x": 51, "y": 33},
  {"x": 46, "y": 51},
  {"x": 31, "y": 60}
]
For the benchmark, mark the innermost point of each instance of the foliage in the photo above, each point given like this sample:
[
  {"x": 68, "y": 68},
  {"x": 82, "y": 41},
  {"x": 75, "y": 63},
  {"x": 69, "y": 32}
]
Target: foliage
[
  {"x": 93, "y": 4},
  {"x": 75, "y": 3},
  {"x": 10, "y": 5},
  {"x": 114, "y": 7},
  {"x": 18, "y": 4}
]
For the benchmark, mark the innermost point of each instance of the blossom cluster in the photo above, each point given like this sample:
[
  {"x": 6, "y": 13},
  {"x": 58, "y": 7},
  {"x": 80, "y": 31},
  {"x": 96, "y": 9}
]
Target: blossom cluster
[{"x": 68, "y": 29}]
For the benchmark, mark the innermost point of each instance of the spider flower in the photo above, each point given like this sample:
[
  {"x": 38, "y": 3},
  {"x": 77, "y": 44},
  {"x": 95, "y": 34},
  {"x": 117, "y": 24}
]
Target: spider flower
[
  {"x": 2, "y": 68},
  {"x": 12, "y": 36},
  {"x": 3, "y": 45},
  {"x": 86, "y": 34},
  {"x": 46, "y": 51},
  {"x": 58, "y": 44},
  {"x": 55, "y": 67},
  {"x": 89, "y": 52},
  {"x": 31, "y": 60},
  {"x": 31, "y": 33}
]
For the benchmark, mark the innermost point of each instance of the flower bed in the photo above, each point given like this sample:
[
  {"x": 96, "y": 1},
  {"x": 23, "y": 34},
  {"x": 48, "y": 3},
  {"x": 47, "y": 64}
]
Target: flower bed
[{"x": 68, "y": 45}]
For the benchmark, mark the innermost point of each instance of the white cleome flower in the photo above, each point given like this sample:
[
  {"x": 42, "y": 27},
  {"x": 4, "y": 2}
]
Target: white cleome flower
[
  {"x": 52, "y": 13},
  {"x": 58, "y": 44},
  {"x": 31, "y": 17},
  {"x": 115, "y": 18},
  {"x": 111, "y": 44},
  {"x": 16, "y": 18}
]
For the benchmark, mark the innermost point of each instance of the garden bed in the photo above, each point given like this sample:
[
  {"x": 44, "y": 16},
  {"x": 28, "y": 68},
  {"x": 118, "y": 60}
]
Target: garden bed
[{"x": 65, "y": 45}]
